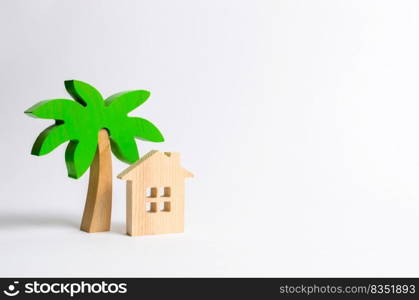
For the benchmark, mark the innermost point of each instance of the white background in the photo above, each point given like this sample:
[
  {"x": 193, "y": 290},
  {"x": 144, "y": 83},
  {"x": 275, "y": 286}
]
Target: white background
[{"x": 299, "y": 120}]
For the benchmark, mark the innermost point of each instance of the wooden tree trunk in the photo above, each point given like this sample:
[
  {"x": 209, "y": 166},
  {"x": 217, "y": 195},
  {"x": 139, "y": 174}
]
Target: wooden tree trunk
[{"x": 98, "y": 207}]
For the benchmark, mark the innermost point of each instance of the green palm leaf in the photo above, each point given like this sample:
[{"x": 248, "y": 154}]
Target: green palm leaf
[
  {"x": 57, "y": 109},
  {"x": 144, "y": 129},
  {"x": 124, "y": 147},
  {"x": 124, "y": 129},
  {"x": 49, "y": 139},
  {"x": 79, "y": 156},
  {"x": 84, "y": 93},
  {"x": 124, "y": 102},
  {"x": 79, "y": 122}
]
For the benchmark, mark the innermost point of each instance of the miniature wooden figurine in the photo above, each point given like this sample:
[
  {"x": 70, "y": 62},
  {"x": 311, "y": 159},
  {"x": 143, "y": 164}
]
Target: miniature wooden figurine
[
  {"x": 155, "y": 194},
  {"x": 93, "y": 127}
]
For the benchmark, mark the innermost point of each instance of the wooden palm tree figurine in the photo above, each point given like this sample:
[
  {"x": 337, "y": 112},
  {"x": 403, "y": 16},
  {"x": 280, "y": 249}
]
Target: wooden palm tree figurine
[{"x": 93, "y": 126}]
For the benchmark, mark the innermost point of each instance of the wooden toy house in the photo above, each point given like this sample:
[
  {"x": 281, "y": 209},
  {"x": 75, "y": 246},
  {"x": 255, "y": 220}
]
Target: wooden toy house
[{"x": 155, "y": 194}]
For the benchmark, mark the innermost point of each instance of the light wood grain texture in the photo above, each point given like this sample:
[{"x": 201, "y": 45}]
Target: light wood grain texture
[
  {"x": 98, "y": 208},
  {"x": 155, "y": 194}
]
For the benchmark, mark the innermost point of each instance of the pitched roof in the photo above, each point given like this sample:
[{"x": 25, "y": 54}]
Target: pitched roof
[{"x": 147, "y": 156}]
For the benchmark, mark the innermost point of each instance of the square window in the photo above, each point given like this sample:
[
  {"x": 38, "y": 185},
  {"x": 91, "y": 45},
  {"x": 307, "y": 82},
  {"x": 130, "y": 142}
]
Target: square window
[
  {"x": 166, "y": 206},
  {"x": 151, "y": 192},
  {"x": 165, "y": 192},
  {"x": 151, "y": 207}
]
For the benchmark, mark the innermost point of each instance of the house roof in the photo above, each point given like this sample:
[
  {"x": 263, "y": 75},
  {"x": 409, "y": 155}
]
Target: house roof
[{"x": 164, "y": 155}]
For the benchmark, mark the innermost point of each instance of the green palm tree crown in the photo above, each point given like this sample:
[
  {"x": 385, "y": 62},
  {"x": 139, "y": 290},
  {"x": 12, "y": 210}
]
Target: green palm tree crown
[{"x": 79, "y": 122}]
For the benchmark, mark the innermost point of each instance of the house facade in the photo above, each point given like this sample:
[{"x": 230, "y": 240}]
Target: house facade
[{"x": 155, "y": 194}]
